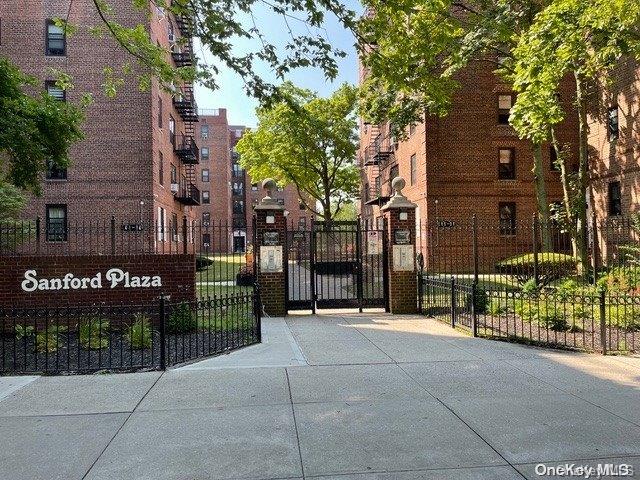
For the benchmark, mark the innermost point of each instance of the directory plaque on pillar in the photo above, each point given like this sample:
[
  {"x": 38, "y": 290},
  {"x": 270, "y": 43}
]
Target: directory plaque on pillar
[
  {"x": 271, "y": 238},
  {"x": 271, "y": 259},
  {"x": 402, "y": 237}
]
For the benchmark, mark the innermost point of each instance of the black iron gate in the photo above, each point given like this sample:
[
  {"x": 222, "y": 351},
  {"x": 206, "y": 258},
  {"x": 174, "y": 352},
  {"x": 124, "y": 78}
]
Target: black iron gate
[{"x": 341, "y": 264}]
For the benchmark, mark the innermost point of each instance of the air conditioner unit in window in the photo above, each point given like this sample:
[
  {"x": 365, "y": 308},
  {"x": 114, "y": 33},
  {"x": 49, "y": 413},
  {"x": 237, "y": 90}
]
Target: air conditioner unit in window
[{"x": 175, "y": 187}]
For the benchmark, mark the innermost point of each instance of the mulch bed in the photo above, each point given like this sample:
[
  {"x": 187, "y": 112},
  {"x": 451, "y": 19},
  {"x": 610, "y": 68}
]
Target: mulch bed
[{"x": 20, "y": 355}]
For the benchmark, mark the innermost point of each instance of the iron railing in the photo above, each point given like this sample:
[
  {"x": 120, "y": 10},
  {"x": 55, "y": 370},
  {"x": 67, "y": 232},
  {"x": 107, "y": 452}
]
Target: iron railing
[{"x": 125, "y": 338}]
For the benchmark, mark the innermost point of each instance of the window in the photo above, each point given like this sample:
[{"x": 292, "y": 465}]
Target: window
[
  {"x": 412, "y": 129},
  {"x": 174, "y": 227},
  {"x": 160, "y": 168},
  {"x": 238, "y": 206},
  {"x": 56, "y": 223},
  {"x": 159, "y": 111},
  {"x": 174, "y": 174},
  {"x": 615, "y": 199},
  {"x": 54, "y": 172},
  {"x": 162, "y": 222},
  {"x": 206, "y": 240},
  {"x": 170, "y": 32},
  {"x": 302, "y": 223},
  {"x": 254, "y": 187},
  {"x": 236, "y": 170},
  {"x": 55, "y": 91},
  {"x": 394, "y": 172},
  {"x": 205, "y": 196},
  {"x": 414, "y": 169},
  {"x": 613, "y": 123},
  {"x": 505, "y": 102},
  {"x": 506, "y": 164},
  {"x": 205, "y": 174},
  {"x": 280, "y": 201},
  {"x": 204, "y": 131},
  {"x": 302, "y": 206},
  {"x": 237, "y": 188},
  {"x": 204, "y": 153},
  {"x": 206, "y": 219},
  {"x": 172, "y": 130},
  {"x": 239, "y": 222},
  {"x": 56, "y": 43},
  {"x": 507, "y": 214}
]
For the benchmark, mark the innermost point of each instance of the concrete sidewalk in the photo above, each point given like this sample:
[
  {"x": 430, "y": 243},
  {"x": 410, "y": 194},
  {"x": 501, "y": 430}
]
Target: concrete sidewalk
[{"x": 340, "y": 397}]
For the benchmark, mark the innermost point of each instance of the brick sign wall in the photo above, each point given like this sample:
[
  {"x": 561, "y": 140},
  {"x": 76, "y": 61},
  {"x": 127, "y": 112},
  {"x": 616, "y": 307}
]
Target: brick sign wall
[{"x": 39, "y": 281}]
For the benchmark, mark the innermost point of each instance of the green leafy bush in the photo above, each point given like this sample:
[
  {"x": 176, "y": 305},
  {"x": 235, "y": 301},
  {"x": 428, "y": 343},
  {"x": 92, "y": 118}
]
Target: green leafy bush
[
  {"x": 551, "y": 266},
  {"x": 482, "y": 301},
  {"x": 621, "y": 280},
  {"x": 139, "y": 333},
  {"x": 47, "y": 341},
  {"x": 497, "y": 306},
  {"x": 24, "y": 332},
  {"x": 182, "y": 319},
  {"x": 623, "y": 316},
  {"x": 202, "y": 263},
  {"x": 543, "y": 313},
  {"x": 93, "y": 333}
]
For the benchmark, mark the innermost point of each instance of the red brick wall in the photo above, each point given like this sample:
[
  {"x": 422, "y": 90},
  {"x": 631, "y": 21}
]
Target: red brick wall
[
  {"x": 115, "y": 169},
  {"x": 403, "y": 286},
  {"x": 177, "y": 274}
]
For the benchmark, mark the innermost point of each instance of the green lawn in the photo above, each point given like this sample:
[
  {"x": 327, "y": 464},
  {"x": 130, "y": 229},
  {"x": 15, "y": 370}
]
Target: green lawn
[
  {"x": 205, "y": 291},
  {"x": 224, "y": 268}
]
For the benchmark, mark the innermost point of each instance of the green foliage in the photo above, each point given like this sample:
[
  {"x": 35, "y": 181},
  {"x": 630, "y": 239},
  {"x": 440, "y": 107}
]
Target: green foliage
[
  {"x": 310, "y": 142},
  {"x": 182, "y": 319},
  {"x": 34, "y": 130},
  {"x": 202, "y": 263},
  {"x": 623, "y": 315},
  {"x": 139, "y": 333},
  {"x": 24, "y": 332},
  {"x": 545, "y": 313},
  {"x": 551, "y": 266},
  {"x": 530, "y": 286},
  {"x": 497, "y": 306},
  {"x": 48, "y": 340},
  {"x": 482, "y": 300},
  {"x": 93, "y": 333},
  {"x": 621, "y": 280}
]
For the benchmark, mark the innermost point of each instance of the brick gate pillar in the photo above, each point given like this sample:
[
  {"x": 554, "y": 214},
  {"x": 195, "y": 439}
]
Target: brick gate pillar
[
  {"x": 400, "y": 214},
  {"x": 269, "y": 250}
]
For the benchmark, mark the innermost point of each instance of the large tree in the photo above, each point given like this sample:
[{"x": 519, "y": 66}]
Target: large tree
[
  {"x": 310, "y": 142},
  {"x": 585, "y": 39},
  {"x": 35, "y": 130},
  {"x": 232, "y": 35}
]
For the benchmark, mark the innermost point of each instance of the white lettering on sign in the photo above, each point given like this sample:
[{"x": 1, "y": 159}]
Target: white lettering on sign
[{"x": 115, "y": 277}]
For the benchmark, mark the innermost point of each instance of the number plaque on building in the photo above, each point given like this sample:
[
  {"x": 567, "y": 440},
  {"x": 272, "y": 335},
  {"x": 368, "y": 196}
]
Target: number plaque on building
[{"x": 402, "y": 237}]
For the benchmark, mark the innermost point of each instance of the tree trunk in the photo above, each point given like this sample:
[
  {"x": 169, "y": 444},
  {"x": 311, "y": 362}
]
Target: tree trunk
[
  {"x": 583, "y": 183},
  {"x": 541, "y": 197},
  {"x": 566, "y": 194}
]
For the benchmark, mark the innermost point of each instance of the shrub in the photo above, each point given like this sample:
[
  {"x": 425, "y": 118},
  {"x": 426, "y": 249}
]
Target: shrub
[
  {"x": 24, "y": 332},
  {"x": 497, "y": 306},
  {"x": 621, "y": 280},
  {"x": 530, "y": 287},
  {"x": 551, "y": 266},
  {"x": 202, "y": 263},
  {"x": 482, "y": 301},
  {"x": 139, "y": 333},
  {"x": 182, "y": 319},
  {"x": 544, "y": 313},
  {"x": 47, "y": 341},
  {"x": 93, "y": 333},
  {"x": 623, "y": 316}
]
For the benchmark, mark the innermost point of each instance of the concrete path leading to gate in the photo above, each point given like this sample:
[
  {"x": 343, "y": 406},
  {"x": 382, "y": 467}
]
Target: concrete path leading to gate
[{"x": 372, "y": 397}]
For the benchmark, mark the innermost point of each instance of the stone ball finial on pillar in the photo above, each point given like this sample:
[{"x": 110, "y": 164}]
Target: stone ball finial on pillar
[
  {"x": 398, "y": 200},
  {"x": 268, "y": 202}
]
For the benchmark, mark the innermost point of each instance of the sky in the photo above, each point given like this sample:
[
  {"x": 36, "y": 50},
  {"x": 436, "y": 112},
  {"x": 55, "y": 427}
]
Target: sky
[{"x": 231, "y": 95}]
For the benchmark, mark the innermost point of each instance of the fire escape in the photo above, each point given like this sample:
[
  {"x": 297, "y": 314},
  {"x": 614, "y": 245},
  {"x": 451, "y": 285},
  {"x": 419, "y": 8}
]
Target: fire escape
[
  {"x": 379, "y": 158},
  {"x": 185, "y": 146}
]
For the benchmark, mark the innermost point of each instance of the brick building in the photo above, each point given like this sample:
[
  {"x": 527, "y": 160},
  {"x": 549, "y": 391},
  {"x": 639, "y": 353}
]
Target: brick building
[
  {"x": 228, "y": 193},
  {"x": 138, "y": 158},
  {"x": 614, "y": 143},
  {"x": 469, "y": 162}
]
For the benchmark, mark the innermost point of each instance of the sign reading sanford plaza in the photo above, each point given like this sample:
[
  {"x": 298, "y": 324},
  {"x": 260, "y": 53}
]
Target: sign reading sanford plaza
[{"x": 114, "y": 277}]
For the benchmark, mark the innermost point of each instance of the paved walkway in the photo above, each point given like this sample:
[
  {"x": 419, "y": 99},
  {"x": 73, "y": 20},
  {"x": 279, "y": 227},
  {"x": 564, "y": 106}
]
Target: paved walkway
[{"x": 371, "y": 397}]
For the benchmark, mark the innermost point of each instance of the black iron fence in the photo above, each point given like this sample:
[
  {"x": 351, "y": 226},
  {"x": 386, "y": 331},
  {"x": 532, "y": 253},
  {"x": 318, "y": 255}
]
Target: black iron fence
[
  {"x": 125, "y": 338},
  {"x": 522, "y": 281}
]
